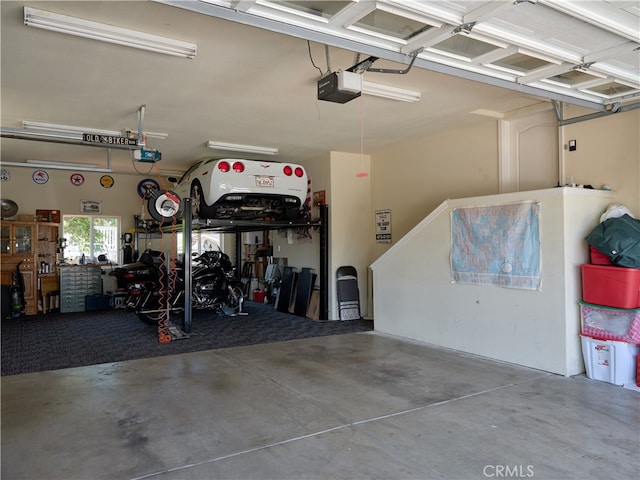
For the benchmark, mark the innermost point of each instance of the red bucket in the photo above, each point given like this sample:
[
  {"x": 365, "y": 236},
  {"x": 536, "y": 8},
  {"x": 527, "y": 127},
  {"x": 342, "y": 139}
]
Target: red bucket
[{"x": 258, "y": 296}]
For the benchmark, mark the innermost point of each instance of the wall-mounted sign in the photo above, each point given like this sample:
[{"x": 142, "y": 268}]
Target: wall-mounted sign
[
  {"x": 76, "y": 179},
  {"x": 109, "y": 139},
  {"x": 107, "y": 181},
  {"x": 40, "y": 177},
  {"x": 383, "y": 226},
  {"x": 90, "y": 206}
]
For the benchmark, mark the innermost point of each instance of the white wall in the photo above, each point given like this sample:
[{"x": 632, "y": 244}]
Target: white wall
[
  {"x": 58, "y": 193},
  {"x": 537, "y": 329},
  {"x": 414, "y": 177},
  {"x": 351, "y": 227},
  {"x": 608, "y": 152}
]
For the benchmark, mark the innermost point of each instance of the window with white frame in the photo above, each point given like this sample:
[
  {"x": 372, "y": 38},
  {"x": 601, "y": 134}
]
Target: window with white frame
[
  {"x": 201, "y": 241},
  {"x": 91, "y": 236}
]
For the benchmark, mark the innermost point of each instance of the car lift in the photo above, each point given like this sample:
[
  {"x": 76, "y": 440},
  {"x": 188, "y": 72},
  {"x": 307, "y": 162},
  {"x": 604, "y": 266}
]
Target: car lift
[{"x": 240, "y": 226}]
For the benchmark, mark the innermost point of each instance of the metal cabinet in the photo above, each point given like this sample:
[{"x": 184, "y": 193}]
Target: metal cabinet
[{"x": 76, "y": 282}]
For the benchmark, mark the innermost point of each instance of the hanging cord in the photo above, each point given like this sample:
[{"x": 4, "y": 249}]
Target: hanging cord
[
  {"x": 163, "y": 314},
  {"x": 173, "y": 263},
  {"x": 311, "y": 58},
  {"x": 362, "y": 173}
]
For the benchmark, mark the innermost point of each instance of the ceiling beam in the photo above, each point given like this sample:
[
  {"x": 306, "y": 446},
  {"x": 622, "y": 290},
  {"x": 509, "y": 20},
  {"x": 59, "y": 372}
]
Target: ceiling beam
[{"x": 356, "y": 46}]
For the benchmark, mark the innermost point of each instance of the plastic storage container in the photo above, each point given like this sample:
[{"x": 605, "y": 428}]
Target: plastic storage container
[
  {"x": 597, "y": 257},
  {"x": 611, "y": 286},
  {"x": 258, "y": 296},
  {"x": 609, "y": 360},
  {"x": 608, "y": 323}
]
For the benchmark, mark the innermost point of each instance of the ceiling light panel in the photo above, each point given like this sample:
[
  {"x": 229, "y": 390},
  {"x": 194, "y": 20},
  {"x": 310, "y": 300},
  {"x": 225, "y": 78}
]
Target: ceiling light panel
[
  {"x": 107, "y": 33},
  {"x": 77, "y": 167},
  {"x": 236, "y": 147},
  {"x": 390, "y": 92}
]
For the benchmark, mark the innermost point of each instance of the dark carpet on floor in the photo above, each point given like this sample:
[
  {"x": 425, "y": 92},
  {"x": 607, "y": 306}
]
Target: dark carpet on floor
[{"x": 57, "y": 340}]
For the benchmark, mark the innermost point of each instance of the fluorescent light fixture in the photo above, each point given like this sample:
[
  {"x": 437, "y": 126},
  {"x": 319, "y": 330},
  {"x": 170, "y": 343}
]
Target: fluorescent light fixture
[
  {"x": 234, "y": 147},
  {"x": 78, "y": 167},
  {"x": 61, "y": 164},
  {"x": 57, "y": 128},
  {"x": 392, "y": 93},
  {"x": 107, "y": 33}
]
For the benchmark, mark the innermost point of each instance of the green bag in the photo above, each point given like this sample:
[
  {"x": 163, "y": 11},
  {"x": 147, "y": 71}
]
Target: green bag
[{"x": 619, "y": 239}]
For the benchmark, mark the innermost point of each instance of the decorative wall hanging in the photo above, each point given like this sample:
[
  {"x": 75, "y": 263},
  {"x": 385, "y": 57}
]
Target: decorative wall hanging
[
  {"x": 146, "y": 186},
  {"x": 40, "y": 177},
  {"x": 497, "y": 245},
  {"x": 107, "y": 181},
  {"x": 76, "y": 179}
]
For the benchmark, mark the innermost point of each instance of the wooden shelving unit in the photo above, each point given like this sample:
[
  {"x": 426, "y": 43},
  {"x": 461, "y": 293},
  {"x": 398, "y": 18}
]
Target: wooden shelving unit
[{"x": 32, "y": 245}]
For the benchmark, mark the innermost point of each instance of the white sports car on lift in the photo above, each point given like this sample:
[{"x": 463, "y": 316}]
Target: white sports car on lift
[{"x": 244, "y": 189}]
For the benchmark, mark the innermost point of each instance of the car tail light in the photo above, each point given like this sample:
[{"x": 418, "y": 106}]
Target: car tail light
[
  {"x": 224, "y": 166},
  {"x": 287, "y": 170},
  {"x": 299, "y": 172},
  {"x": 238, "y": 167}
]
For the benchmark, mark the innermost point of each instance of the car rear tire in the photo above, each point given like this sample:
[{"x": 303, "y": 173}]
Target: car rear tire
[{"x": 198, "y": 205}]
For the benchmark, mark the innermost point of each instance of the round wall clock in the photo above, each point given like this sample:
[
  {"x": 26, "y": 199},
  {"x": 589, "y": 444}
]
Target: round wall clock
[
  {"x": 76, "y": 179},
  {"x": 40, "y": 177}
]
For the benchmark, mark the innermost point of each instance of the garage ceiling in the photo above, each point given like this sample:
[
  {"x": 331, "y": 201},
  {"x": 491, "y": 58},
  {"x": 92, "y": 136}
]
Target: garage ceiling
[{"x": 254, "y": 76}]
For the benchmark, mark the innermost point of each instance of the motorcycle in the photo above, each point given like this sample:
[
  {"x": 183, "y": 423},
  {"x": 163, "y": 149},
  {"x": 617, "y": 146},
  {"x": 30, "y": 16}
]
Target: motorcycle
[{"x": 153, "y": 289}]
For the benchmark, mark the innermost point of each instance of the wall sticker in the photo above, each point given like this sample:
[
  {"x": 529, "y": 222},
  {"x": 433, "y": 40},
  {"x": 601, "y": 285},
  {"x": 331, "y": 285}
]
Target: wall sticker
[
  {"x": 40, "y": 177},
  {"x": 76, "y": 179},
  {"x": 107, "y": 181}
]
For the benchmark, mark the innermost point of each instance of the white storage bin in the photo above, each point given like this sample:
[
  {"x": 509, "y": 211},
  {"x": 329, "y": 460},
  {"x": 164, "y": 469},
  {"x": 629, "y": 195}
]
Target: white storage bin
[{"x": 609, "y": 360}]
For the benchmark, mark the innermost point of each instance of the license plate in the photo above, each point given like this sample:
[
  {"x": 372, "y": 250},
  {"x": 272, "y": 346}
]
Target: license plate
[{"x": 264, "y": 181}]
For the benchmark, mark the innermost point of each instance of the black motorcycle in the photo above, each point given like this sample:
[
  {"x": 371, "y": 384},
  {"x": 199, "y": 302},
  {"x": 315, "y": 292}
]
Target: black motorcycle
[{"x": 155, "y": 289}]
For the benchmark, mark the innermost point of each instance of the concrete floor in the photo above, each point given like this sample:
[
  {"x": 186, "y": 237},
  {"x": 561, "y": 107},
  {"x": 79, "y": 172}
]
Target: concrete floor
[{"x": 351, "y": 406}]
